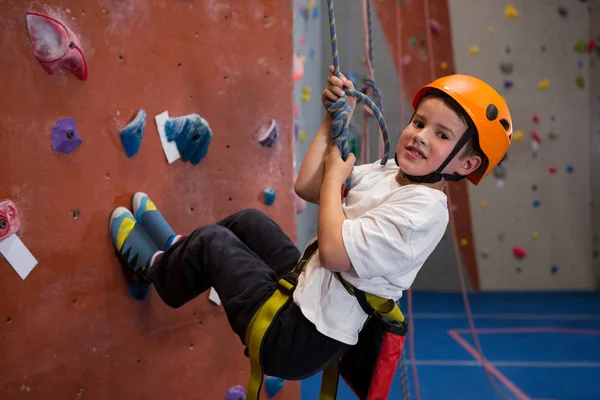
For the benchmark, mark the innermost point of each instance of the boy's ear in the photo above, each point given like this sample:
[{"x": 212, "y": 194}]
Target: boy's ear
[{"x": 469, "y": 165}]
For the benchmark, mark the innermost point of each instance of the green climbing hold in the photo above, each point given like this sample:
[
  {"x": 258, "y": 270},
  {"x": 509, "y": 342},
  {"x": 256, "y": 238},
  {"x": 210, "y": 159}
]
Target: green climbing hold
[
  {"x": 544, "y": 48},
  {"x": 413, "y": 42},
  {"x": 580, "y": 46},
  {"x": 552, "y": 135},
  {"x": 580, "y": 82}
]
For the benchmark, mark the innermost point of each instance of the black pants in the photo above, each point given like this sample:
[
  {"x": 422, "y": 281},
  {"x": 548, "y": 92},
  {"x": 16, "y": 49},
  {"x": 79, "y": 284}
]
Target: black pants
[{"x": 242, "y": 257}]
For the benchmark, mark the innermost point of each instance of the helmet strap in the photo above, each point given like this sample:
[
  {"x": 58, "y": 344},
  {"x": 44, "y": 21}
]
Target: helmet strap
[{"x": 437, "y": 175}]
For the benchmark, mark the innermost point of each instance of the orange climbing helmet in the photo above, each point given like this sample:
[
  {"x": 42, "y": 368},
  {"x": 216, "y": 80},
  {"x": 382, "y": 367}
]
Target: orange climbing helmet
[{"x": 488, "y": 112}]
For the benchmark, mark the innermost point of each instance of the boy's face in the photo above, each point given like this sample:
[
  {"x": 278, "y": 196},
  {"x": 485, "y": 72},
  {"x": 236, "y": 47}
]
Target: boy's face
[{"x": 430, "y": 137}]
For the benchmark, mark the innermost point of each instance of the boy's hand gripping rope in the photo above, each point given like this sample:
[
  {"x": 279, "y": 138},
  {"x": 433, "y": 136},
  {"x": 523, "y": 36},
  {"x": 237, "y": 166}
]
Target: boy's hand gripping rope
[{"x": 340, "y": 110}]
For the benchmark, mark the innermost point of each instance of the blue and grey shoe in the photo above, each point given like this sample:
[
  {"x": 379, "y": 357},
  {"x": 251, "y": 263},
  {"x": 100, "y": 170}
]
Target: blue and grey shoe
[
  {"x": 152, "y": 220},
  {"x": 135, "y": 248}
]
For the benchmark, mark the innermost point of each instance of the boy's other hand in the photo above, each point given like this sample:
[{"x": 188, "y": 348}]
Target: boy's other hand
[
  {"x": 336, "y": 170},
  {"x": 335, "y": 90}
]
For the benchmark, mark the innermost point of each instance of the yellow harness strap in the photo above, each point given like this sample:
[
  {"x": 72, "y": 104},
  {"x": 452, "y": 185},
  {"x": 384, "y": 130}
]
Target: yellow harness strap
[{"x": 263, "y": 318}]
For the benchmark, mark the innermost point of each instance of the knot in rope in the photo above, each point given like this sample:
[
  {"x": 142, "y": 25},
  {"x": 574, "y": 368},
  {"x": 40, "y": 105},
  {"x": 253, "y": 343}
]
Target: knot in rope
[{"x": 376, "y": 94}]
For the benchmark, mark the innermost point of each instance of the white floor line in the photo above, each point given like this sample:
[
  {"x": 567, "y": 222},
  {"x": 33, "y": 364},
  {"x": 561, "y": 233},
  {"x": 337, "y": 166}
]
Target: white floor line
[
  {"x": 570, "y": 317},
  {"x": 519, "y": 364}
]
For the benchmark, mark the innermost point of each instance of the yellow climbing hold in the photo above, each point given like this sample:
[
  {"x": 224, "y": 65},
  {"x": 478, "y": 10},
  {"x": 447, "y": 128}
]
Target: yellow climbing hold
[
  {"x": 490, "y": 30},
  {"x": 463, "y": 242},
  {"x": 310, "y": 5},
  {"x": 511, "y": 12},
  {"x": 535, "y": 235},
  {"x": 544, "y": 84},
  {"x": 302, "y": 59},
  {"x": 484, "y": 204},
  {"x": 518, "y": 136},
  {"x": 306, "y": 90},
  {"x": 473, "y": 50},
  {"x": 302, "y": 135},
  {"x": 444, "y": 65}
]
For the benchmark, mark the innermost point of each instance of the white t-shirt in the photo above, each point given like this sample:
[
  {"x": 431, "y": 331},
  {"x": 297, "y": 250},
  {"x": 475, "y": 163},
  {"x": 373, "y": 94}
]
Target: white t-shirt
[{"x": 389, "y": 232}]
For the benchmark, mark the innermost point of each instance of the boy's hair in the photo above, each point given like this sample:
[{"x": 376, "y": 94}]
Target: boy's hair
[{"x": 472, "y": 147}]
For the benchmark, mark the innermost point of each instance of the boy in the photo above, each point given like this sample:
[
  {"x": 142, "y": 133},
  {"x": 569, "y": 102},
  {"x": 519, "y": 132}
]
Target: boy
[{"x": 378, "y": 237}]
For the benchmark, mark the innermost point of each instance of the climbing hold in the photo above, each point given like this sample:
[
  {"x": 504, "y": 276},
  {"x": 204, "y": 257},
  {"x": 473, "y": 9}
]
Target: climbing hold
[
  {"x": 519, "y": 252},
  {"x": 306, "y": 91},
  {"x": 473, "y": 50},
  {"x": 543, "y": 48},
  {"x": 490, "y": 30},
  {"x": 536, "y": 137},
  {"x": 536, "y": 203},
  {"x": 554, "y": 269},
  {"x": 269, "y": 196},
  {"x": 463, "y": 242},
  {"x": 132, "y": 134},
  {"x": 552, "y": 118},
  {"x": 312, "y": 54},
  {"x": 484, "y": 253},
  {"x": 535, "y": 235},
  {"x": 192, "y": 134},
  {"x": 65, "y": 138},
  {"x": 552, "y": 170},
  {"x": 580, "y": 64},
  {"x": 10, "y": 221},
  {"x": 139, "y": 290},
  {"x": 484, "y": 204},
  {"x": 534, "y": 187},
  {"x": 518, "y": 136},
  {"x": 298, "y": 68},
  {"x": 552, "y": 135},
  {"x": 506, "y": 68},
  {"x": 270, "y": 134},
  {"x": 580, "y": 46},
  {"x": 55, "y": 45},
  {"x": 412, "y": 42},
  {"x": 519, "y": 269},
  {"x": 536, "y": 119},
  {"x": 507, "y": 50},
  {"x": 562, "y": 11},
  {"x": 236, "y": 393},
  {"x": 302, "y": 136},
  {"x": 443, "y": 65},
  {"x": 273, "y": 385},
  {"x": 315, "y": 12},
  {"x": 511, "y": 12},
  {"x": 501, "y": 237},
  {"x": 435, "y": 26},
  {"x": 508, "y": 84},
  {"x": 296, "y": 130},
  {"x": 569, "y": 169},
  {"x": 580, "y": 81},
  {"x": 544, "y": 84},
  {"x": 591, "y": 45},
  {"x": 302, "y": 40}
]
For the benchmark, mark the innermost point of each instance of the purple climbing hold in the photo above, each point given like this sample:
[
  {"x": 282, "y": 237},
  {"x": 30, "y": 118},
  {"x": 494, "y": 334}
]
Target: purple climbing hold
[
  {"x": 236, "y": 393},
  {"x": 508, "y": 84},
  {"x": 65, "y": 138}
]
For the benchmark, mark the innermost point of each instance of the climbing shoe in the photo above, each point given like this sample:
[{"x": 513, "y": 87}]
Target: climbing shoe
[
  {"x": 135, "y": 248},
  {"x": 153, "y": 222}
]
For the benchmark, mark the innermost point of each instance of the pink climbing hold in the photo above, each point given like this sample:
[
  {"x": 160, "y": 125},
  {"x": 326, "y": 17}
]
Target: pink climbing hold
[
  {"x": 10, "y": 221},
  {"x": 519, "y": 252},
  {"x": 435, "y": 26},
  {"x": 55, "y": 45},
  {"x": 591, "y": 46},
  {"x": 536, "y": 137},
  {"x": 536, "y": 119}
]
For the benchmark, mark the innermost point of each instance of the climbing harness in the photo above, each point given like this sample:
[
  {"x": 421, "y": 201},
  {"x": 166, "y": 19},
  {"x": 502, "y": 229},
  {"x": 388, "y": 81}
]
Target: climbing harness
[
  {"x": 340, "y": 110},
  {"x": 367, "y": 367}
]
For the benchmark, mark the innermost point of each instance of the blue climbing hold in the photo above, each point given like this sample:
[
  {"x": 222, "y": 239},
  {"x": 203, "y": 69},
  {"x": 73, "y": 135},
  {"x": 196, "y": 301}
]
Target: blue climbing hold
[
  {"x": 273, "y": 386},
  {"x": 132, "y": 134},
  {"x": 269, "y": 195},
  {"x": 315, "y": 12},
  {"x": 192, "y": 134},
  {"x": 536, "y": 203},
  {"x": 569, "y": 169},
  {"x": 139, "y": 289},
  {"x": 554, "y": 269}
]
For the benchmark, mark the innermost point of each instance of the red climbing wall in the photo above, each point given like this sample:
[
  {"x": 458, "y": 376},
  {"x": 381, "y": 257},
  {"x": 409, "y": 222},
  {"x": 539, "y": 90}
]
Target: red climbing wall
[
  {"x": 70, "y": 329},
  {"x": 405, "y": 25}
]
